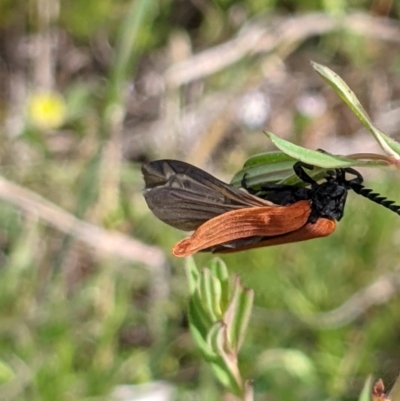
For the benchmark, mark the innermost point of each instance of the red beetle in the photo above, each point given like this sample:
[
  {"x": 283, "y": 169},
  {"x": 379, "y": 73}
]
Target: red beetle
[{"x": 227, "y": 219}]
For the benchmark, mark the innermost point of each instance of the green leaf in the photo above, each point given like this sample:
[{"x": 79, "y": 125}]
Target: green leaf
[
  {"x": 208, "y": 293},
  {"x": 314, "y": 157},
  {"x": 215, "y": 336},
  {"x": 238, "y": 315},
  {"x": 201, "y": 342},
  {"x": 192, "y": 274},
  {"x": 227, "y": 364},
  {"x": 388, "y": 145},
  {"x": 216, "y": 295},
  {"x": 220, "y": 271},
  {"x": 199, "y": 315},
  {"x": 273, "y": 157},
  {"x": 258, "y": 174},
  {"x": 366, "y": 391},
  {"x": 224, "y": 376}
]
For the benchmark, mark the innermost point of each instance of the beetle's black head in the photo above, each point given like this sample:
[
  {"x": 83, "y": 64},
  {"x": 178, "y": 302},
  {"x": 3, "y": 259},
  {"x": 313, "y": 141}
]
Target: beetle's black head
[{"x": 329, "y": 198}]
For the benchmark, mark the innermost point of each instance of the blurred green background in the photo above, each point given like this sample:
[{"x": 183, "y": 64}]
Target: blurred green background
[{"x": 90, "y": 297}]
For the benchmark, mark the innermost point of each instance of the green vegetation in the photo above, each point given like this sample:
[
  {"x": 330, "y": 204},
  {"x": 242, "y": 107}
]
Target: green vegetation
[{"x": 91, "y": 89}]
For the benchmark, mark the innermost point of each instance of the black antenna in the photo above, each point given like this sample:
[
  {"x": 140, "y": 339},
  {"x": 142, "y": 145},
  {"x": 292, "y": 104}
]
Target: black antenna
[{"x": 375, "y": 197}]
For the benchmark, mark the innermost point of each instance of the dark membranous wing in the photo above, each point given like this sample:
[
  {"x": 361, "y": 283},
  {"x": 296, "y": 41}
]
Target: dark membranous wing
[{"x": 185, "y": 196}]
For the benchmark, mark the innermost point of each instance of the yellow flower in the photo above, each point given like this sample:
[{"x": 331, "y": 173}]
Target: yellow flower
[{"x": 46, "y": 110}]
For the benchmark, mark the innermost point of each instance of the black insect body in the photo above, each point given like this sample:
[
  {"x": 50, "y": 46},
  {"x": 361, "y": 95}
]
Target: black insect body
[{"x": 327, "y": 199}]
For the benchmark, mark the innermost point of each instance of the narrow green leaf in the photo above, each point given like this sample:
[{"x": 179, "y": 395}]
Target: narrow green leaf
[
  {"x": 342, "y": 89},
  {"x": 216, "y": 294},
  {"x": 220, "y": 271},
  {"x": 320, "y": 159},
  {"x": 228, "y": 369},
  {"x": 201, "y": 343},
  {"x": 263, "y": 173},
  {"x": 198, "y": 315},
  {"x": 192, "y": 274},
  {"x": 200, "y": 311},
  {"x": 309, "y": 156},
  {"x": 268, "y": 167},
  {"x": 238, "y": 315},
  {"x": 214, "y": 337},
  {"x": 210, "y": 293},
  {"x": 224, "y": 376},
  {"x": 230, "y": 316},
  {"x": 366, "y": 391},
  {"x": 245, "y": 306},
  {"x": 388, "y": 145},
  {"x": 273, "y": 157}
]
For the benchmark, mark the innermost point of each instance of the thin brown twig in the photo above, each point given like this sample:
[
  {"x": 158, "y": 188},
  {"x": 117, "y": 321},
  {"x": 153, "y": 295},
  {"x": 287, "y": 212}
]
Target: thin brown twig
[
  {"x": 263, "y": 38},
  {"x": 105, "y": 242}
]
